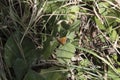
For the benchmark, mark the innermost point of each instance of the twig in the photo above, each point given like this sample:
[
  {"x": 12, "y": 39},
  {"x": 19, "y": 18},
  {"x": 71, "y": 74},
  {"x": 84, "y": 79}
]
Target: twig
[{"x": 46, "y": 64}]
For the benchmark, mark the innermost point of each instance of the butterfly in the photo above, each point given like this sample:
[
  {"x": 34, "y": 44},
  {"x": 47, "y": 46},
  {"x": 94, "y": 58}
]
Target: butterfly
[{"x": 62, "y": 40}]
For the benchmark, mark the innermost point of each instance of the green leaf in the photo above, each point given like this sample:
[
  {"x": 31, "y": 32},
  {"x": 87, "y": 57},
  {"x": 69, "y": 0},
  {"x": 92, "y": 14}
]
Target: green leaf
[
  {"x": 71, "y": 16},
  {"x": 65, "y": 53},
  {"x": 113, "y": 35},
  {"x": 49, "y": 47},
  {"x": 32, "y": 75},
  {"x": 85, "y": 62},
  {"x": 103, "y": 8},
  {"x": 109, "y": 29},
  {"x": 75, "y": 25},
  {"x": 20, "y": 68},
  {"x": 52, "y": 74},
  {"x": 51, "y": 6},
  {"x": 74, "y": 9},
  {"x": 30, "y": 52},
  {"x": 114, "y": 56},
  {"x": 72, "y": 13},
  {"x": 112, "y": 75},
  {"x": 102, "y": 38},
  {"x": 101, "y": 58},
  {"x": 13, "y": 49},
  {"x": 65, "y": 25},
  {"x": 117, "y": 20},
  {"x": 99, "y": 24},
  {"x": 71, "y": 36}
]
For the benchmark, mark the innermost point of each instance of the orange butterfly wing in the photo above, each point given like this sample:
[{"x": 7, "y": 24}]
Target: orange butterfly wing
[{"x": 62, "y": 40}]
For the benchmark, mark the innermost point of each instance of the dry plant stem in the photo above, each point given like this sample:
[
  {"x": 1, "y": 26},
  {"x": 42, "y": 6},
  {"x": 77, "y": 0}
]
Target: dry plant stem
[
  {"x": 20, "y": 7},
  {"x": 71, "y": 3},
  {"x": 112, "y": 4},
  {"x": 45, "y": 64},
  {"x": 3, "y": 67},
  {"x": 32, "y": 20},
  {"x": 1, "y": 50},
  {"x": 105, "y": 71},
  {"x": 9, "y": 73},
  {"x": 115, "y": 47},
  {"x": 79, "y": 15},
  {"x": 97, "y": 15},
  {"x": 39, "y": 13},
  {"x": 57, "y": 10},
  {"x": 20, "y": 48}
]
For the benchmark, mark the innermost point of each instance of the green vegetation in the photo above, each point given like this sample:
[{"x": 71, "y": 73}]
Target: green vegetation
[{"x": 59, "y": 40}]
